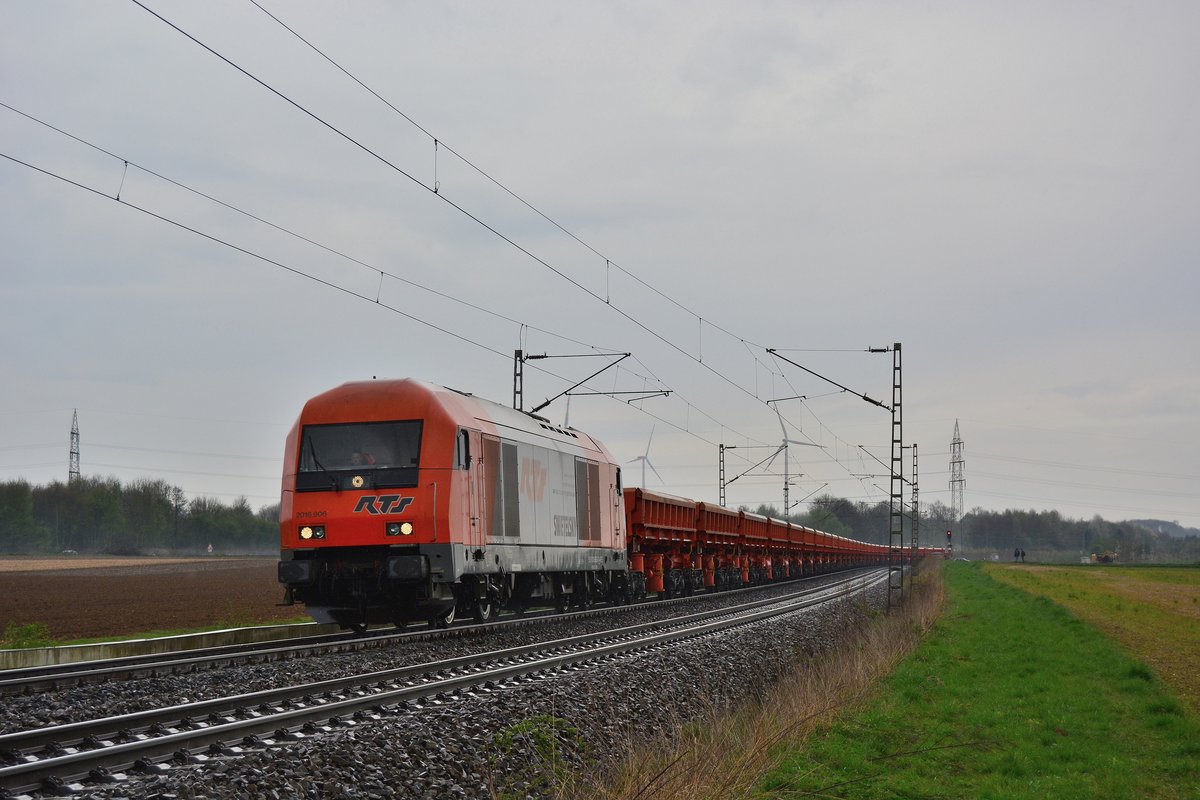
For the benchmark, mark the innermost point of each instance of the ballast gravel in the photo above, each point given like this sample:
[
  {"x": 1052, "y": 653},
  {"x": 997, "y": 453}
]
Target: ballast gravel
[{"x": 518, "y": 740}]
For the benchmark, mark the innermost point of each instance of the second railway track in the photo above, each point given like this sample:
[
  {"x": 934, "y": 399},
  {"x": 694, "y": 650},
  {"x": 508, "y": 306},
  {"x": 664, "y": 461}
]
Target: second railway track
[
  {"x": 47, "y": 759},
  {"x": 59, "y": 676}
]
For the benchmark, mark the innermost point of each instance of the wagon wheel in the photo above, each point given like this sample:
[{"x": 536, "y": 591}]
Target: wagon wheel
[
  {"x": 584, "y": 598},
  {"x": 360, "y": 627}
]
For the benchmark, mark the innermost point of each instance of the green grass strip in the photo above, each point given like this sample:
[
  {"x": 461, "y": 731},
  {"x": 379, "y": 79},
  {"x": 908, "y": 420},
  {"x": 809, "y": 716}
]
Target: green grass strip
[
  {"x": 1152, "y": 611},
  {"x": 1011, "y": 696},
  {"x": 36, "y": 634}
]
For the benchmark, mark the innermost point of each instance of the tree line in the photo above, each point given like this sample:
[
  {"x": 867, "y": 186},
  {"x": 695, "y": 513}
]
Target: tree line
[
  {"x": 102, "y": 515},
  {"x": 1044, "y": 535}
]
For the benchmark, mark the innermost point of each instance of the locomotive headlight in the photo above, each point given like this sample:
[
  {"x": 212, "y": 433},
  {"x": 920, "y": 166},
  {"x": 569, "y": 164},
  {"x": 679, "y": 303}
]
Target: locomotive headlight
[
  {"x": 312, "y": 532},
  {"x": 399, "y": 528},
  {"x": 306, "y": 532}
]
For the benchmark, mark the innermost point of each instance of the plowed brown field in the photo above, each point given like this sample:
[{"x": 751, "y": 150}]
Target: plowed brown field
[{"x": 86, "y": 597}]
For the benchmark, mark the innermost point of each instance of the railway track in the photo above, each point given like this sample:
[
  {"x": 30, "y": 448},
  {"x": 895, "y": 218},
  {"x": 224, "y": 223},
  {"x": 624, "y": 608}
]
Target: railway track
[
  {"x": 59, "y": 676},
  {"x": 49, "y": 760}
]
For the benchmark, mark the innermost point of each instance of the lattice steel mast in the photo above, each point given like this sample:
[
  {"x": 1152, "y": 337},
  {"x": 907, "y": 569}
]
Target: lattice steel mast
[
  {"x": 721, "y": 472},
  {"x": 916, "y": 512},
  {"x": 896, "y": 538},
  {"x": 957, "y": 482},
  {"x": 73, "y": 471}
]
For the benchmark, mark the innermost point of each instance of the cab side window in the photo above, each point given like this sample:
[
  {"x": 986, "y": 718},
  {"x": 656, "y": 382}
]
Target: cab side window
[{"x": 462, "y": 450}]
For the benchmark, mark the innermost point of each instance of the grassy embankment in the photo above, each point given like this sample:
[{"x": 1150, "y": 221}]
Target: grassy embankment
[{"x": 1011, "y": 696}]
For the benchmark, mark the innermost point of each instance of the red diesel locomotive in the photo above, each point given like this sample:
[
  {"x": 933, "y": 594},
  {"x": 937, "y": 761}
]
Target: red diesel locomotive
[{"x": 407, "y": 501}]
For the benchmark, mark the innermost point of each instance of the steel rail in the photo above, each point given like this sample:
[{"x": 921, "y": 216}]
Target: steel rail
[
  {"x": 57, "y": 676},
  {"x": 100, "y": 745}
]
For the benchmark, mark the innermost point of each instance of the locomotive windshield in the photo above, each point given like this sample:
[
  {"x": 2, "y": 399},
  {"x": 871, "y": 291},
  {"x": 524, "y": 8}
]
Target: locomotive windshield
[{"x": 388, "y": 452}]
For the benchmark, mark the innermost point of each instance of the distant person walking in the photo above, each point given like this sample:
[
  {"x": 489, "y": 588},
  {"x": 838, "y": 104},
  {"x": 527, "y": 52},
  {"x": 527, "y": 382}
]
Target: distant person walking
[
  {"x": 1016, "y": 554},
  {"x": 1022, "y": 555}
]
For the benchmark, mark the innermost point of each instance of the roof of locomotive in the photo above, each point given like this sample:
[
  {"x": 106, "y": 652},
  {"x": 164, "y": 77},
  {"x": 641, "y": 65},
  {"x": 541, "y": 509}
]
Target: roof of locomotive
[{"x": 353, "y": 399}]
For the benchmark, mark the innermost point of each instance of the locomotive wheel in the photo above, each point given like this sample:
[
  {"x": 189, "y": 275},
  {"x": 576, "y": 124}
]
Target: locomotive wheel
[
  {"x": 483, "y": 610},
  {"x": 443, "y": 620},
  {"x": 560, "y": 595}
]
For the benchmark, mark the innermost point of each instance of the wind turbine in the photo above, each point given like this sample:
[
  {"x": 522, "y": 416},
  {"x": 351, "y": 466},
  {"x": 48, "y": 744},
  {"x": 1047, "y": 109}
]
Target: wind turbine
[
  {"x": 786, "y": 466},
  {"x": 645, "y": 459}
]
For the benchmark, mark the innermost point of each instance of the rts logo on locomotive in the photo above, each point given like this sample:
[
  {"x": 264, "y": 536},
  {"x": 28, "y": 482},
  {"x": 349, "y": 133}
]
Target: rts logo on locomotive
[{"x": 388, "y": 504}]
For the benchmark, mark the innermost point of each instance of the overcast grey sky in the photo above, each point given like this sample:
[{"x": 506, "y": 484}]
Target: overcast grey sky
[{"x": 1008, "y": 189}]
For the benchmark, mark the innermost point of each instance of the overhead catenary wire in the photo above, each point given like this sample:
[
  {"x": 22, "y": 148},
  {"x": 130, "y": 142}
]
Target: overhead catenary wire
[
  {"x": 807, "y": 422},
  {"x": 1078, "y": 485},
  {"x": 186, "y": 472},
  {"x": 475, "y": 218},
  {"x": 321, "y": 281},
  {"x": 341, "y": 133},
  {"x": 1059, "y": 501},
  {"x": 296, "y": 235},
  {"x": 608, "y": 261},
  {"x": 523, "y": 325},
  {"x": 684, "y": 429},
  {"x": 251, "y": 253},
  {"x": 189, "y": 453},
  {"x": 428, "y": 187},
  {"x": 1086, "y": 467},
  {"x": 301, "y": 273},
  {"x": 282, "y": 229}
]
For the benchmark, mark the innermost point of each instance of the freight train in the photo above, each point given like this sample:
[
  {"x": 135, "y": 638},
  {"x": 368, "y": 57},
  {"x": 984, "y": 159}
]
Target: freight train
[{"x": 405, "y": 501}]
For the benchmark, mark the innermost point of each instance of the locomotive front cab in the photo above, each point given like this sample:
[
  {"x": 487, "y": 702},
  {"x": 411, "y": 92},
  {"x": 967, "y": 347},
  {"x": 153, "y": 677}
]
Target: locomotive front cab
[
  {"x": 370, "y": 460},
  {"x": 364, "y": 466}
]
